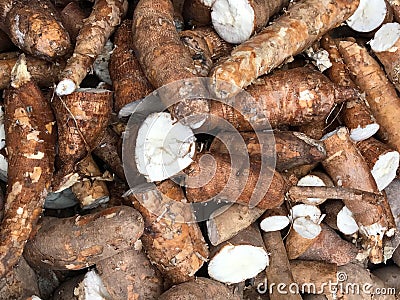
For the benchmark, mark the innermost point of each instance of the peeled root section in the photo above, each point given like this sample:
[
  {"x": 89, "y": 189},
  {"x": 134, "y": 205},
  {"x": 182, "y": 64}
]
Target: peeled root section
[
  {"x": 240, "y": 258},
  {"x": 275, "y": 219}
]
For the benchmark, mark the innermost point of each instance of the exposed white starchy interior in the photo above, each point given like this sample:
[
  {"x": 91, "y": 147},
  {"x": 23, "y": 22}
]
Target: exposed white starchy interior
[
  {"x": 3, "y": 168},
  {"x": 345, "y": 221},
  {"x": 306, "y": 228},
  {"x": 164, "y": 147},
  {"x": 93, "y": 287},
  {"x": 235, "y": 264},
  {"x": 100, "y": 65},
  {"x": 310, "y": 212},
  {"x": 207, "y": 3},
  {"x": 274, "y": 223},
  {"x": 19, "y": 73},
  {"x": 368, "y": 16},
  {"x": 312, "y": 180},
  {"x": 320, "y": 58},
  {"x": 385, "y": 37},
  {"x": 384, "y": 170},
  {"x": 233, "y": 20},
  {"x": 363, "y": 133},
  {"x": 65, "y": 87}
]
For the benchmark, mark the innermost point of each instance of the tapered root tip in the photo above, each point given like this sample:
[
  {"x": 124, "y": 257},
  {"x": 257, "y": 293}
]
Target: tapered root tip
[
  {"x": 65, "y": 87},
  {"x": 20, "y": 74}
]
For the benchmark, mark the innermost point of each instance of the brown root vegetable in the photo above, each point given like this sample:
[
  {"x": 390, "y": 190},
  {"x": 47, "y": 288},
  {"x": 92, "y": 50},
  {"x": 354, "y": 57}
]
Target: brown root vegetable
[
  {"x": 172, "y": 241},
  {"x": 347, "y": 168},
  {"x": 315, "y": 179},
  {"x": 90, "y": 287},
  {"x": 382, "y": 160},
  {"x": 331, "y": 248},
  {"x": 82, "y": 118},
  {"x": 163, "y": 57},
  {"x": 81, "y": 245},
  {"x": 225, "y": 223},
  {"x": 385, "y": 45},
  {"x": 236, "y": 21},
  {"x": 292, "y": 149},
  {"x": 289, "y": 35},
  {"x": 372, "y": 80},
  {"x": 233, "y": 183},
  {"x": 289, "y": 97},
  {"x": 356, "y": 115},
  {"x": 130, "y": 275},
  {"x": 200, "y": 288},
  {"x": 278, "y": 271},
  {"x": 72, "y": 17},
  {"x": 19, "y": 283},
  {"x": 92, "y": 37},
  {"x": 65, "y": 291},
  {"x": 389, "y": 275},
  {"x": 370, "y": 15},
  {"x": 30, "y": 139},
  {"x": 43, "y": 72},
  {"x": 315, "y": 277},
  {"x": 240, "y": 258},
  {"x": 339, "y": 217},
  {"x": 35, "y": 27},
  {"x": 395, "y": 4},
  {"x": 197, "y": 12},
  {"x": 129, "y": 82}
]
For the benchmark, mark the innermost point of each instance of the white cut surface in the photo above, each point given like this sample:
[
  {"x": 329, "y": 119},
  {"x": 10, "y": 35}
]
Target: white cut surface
[
  {"x": 274, "y": 223},
  {"x": 368, "y": 16},
  {"x": 92, "y": 288},
  {"x": 306, "y": 228},
  {"x": 100, "y": 65},
  {"x": 19, "y": 73},
  {"x": 312, "y": 180},
  {"x": 384, "y": 170},
  {"x": 233, "y": 20},
  {"x": 164, "y": 147},
  {"x": 65, "y": 87},
  {"x": 310, "y": 212},
  {"x": 363, "y": 133},
  {"x": 235, "y": 264},
  {"x": 345, "y": 221},
  {"x": 207, "y": 3},
  {"x": 385, "y": 37},
  {"x": 3, "y": 168}
]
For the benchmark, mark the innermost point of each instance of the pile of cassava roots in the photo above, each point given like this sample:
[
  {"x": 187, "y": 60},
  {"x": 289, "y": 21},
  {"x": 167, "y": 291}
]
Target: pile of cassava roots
[{"x": 199, "y": 149}]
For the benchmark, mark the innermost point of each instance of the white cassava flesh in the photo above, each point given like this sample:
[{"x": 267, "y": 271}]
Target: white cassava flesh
[
  {"x": 345, "y": 221},
  {"x": 368, "y": 16},
  {"x": 385, "y": 37},
  {"x": 65, "y": 87},
  {"x": 312, "y": 180},
  {"x": 306, "y": 228},
  {"x": 310, "y": 212},
  {"x": 384, "y": 170},
  {"x": 235, "y": 264},
  {"x": 91, "y": 288},
  {"x": 363, "y": 133},
  {"x": 274, "y": 223},
  {"x": 164, "y": 147},
  {"x": 233, "y": 20}
]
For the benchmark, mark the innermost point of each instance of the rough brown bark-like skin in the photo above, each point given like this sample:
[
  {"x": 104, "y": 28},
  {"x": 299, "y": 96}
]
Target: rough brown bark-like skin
[
  {"x": 264, "y": 10},
  {"x": 331, "y": 208},
  {"x": 290, "y": 97},
  {"x": 371, "y": 149},
  {"x": 245, "y": 179},
  {"x": 82, "y": 118},
  {"x": 196, "y": 13},
  {"x": 30, "y": 139},
  {"x": 129, "y": 82},
  {"x": 162, "y": 55},
  {"x": 395, "y": 4},
  {"x": 278, "y": 270},
  {"x": 331, "y": 248},
  {"x": 200, "y": 288},
  {"x": 380, "y": 93},
  {"x": 81, "y": 241},
  {"x": 130, "y": 275},
  {"x": 35, "y": 27},
  {"x": 316, "y": 272},
  {"x": 176, "y": 248},
  {"x": 96, "y": 30},
  {"x": 20, "y": 283},
  {"x": 296, "y": 245},
  {"x": 44, "y": 73},
  {"x": 355, "y": 114},
  {"x": 65, "y": 291},
  {"x": 292, "y": 149},
  {"x": 72, "y": 17},
  {"x": 205, "y": 47},
  {"x": 304, "y": 23}
]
